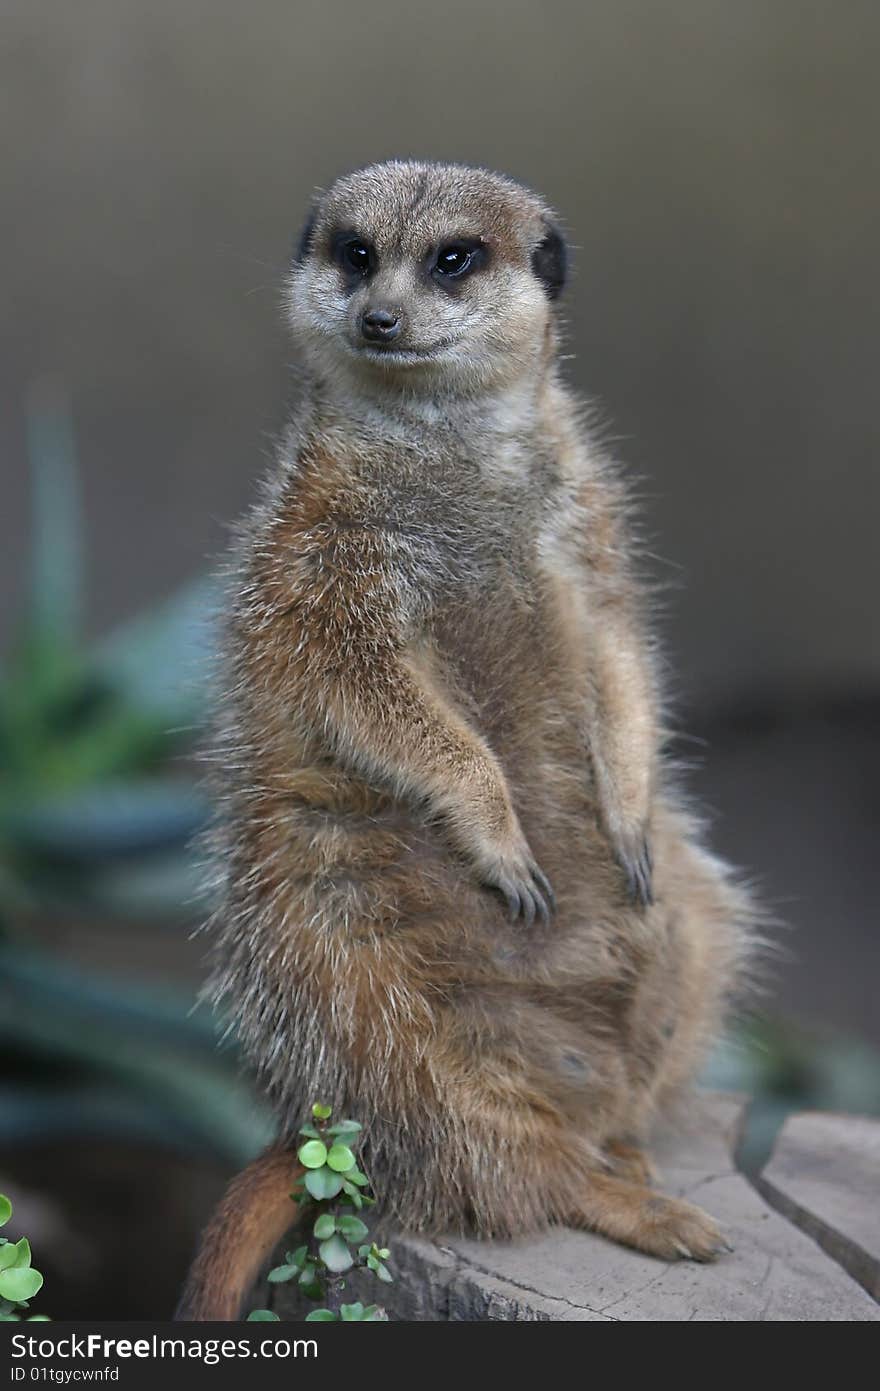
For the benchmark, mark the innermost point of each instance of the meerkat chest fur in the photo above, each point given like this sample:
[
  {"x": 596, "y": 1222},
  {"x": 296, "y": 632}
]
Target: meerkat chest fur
[
  {"x": 496, "y": 560},
  {"x": 474, "y": 527}
]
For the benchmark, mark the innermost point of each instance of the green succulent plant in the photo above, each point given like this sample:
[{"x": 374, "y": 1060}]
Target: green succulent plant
[
  {"x": 19, "y": 1281},
  {"x": 332, "y": 1193}
]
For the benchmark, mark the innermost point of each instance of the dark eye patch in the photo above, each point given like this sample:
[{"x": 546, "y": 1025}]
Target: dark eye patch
[
  {"x": 454, "y": 260},
  {"x": 354, "y": 255}
]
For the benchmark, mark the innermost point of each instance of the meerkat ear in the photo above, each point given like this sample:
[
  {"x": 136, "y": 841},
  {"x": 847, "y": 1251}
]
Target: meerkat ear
[
  {"x": 304, "y": 242},
  {"x": 550, "y": 260}
]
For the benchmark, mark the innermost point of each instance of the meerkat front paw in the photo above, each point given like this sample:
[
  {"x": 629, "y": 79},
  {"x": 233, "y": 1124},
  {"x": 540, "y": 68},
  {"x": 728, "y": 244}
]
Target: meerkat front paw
[
  {"x": 624, "y": 819},
  {"x": 522, "y": 884},
  {"x": 633, "y": 854}
]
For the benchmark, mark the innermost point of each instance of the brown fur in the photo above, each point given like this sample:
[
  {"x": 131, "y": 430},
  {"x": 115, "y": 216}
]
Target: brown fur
[
  {"x": 441, "y": 688},
  {"x": 253, "y": 1216}
]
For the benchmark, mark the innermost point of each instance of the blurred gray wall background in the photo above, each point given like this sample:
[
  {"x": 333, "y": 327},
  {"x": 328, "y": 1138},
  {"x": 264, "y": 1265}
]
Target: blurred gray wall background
[{"x": 716, "y": 164}]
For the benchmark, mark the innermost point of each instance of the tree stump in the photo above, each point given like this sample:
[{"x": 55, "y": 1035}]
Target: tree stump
[{"x": 806, "y": 1240}]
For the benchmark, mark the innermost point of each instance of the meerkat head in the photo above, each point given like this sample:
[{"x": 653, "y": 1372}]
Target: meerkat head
[{"x": 432, "y": 277}]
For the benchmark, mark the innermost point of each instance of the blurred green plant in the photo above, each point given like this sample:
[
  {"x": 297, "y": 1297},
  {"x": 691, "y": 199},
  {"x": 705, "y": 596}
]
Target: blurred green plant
[
  {"x": 334, "y": 1188},
  {"x": 89, "y": 733},
  {"x": 784, "y": 1068},
  {"x": 98, "y": 808},
  {"x": 19, "y": 1281}
]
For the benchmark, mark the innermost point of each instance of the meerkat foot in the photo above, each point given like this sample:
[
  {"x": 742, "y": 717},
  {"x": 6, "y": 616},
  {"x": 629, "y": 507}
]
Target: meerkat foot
[
  {"x": 635, "y": 1216},
  {"x": 674, "y": 1229},
  {"x": 630, "y": 1162}
]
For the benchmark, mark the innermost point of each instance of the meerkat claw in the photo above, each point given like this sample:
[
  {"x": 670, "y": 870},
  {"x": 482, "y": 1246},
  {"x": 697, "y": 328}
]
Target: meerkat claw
[
  {"x": 639, "y": 871},
  {"x": 529, "y": 908},
  {"x": 511, "y": 898},
  {"x": 546, "y": 888},
  {"x": 527, "y": 901}
]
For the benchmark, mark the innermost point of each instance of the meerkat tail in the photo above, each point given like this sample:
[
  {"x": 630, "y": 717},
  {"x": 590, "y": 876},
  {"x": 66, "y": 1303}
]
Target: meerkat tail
[{"x": 252, "y": 1217}]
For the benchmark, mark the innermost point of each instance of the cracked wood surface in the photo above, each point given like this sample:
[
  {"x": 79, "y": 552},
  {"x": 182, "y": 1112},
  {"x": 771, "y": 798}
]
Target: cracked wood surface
[
  {"x": 824, "y": 1175},
  {"x": 777, "y": 1271}
]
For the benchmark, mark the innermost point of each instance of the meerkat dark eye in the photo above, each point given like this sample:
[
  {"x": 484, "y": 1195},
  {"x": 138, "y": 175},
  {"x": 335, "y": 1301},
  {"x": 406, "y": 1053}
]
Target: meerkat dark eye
[
  {"x": 356, "y": 256},
  {"x": 455, "y": 260}
]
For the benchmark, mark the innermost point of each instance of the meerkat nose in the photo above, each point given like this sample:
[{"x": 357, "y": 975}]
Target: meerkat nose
[{"x": 380, "y": 325}]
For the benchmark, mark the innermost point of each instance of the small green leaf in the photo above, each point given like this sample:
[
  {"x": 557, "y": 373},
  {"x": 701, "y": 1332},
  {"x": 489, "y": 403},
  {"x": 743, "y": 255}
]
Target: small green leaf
[
  {"x": 325, "y": 1226},
  {"x": 384, "y": 1273},
  {"x": 321, "y": 1112},
  {"x": 373, "y": 1314},
  {"x": 364, "y": 1251},
  {"x": 352, "y": 1228},
  {"x": 20, "y": 1283},
  {"x": 262, "y": 1316},
  {"x": 357, "y": 1177},
  {"x": 39, "y": 1318},
  {"x": 336, "y": 1255},
  {"x": 297, "y": 1257},
  {"x": 345, "y": 1128},
  {"x": 321, "y": 1316},
  {"x": 282, "y": 1273},
  {"x": 313, "y": 1154},
  {"x": 310, "y": 1131},
  {"x": 5, "y": 1209},
  {"x": 15, "y": 1254},
  {"x": 351, "y": 1313},
  {"x": 341, "y": 1159},
  {"x": 384, "y": 1252},
  {"x": 323, "y": 1183}
]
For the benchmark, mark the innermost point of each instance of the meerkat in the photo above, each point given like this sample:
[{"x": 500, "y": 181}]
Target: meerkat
[{"x": 461, "y": 898}]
